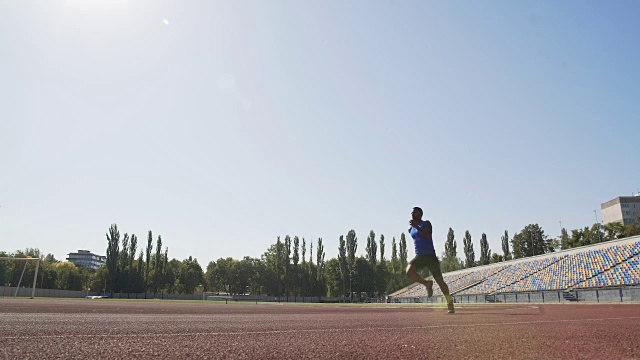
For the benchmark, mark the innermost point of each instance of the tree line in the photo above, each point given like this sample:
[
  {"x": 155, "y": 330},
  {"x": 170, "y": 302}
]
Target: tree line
[
  {"x": 286, "y": 268},
  {"x": 530, "y": 241}
]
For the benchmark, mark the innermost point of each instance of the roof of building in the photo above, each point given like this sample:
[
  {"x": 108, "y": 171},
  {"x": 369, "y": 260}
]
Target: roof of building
[{"x": 620, "y": 200}]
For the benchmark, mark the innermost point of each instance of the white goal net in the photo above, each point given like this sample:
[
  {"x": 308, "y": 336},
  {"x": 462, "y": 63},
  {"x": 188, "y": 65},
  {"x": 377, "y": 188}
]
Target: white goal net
[{"x": 10, "y": 265}]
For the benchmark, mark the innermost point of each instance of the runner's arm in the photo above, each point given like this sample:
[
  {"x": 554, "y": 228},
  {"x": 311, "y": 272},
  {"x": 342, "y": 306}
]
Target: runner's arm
[{"x": 427, "y": 230}]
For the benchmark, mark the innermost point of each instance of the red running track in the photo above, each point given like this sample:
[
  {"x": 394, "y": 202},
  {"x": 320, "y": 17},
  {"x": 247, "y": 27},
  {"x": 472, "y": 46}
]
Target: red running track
[{"x": 43, "y": 328}]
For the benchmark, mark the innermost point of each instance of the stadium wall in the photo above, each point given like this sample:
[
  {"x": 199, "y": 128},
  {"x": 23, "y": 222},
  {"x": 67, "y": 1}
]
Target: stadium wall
[
  {"x": 9, "y": 291},
  {"x": 624, "y": 294}
]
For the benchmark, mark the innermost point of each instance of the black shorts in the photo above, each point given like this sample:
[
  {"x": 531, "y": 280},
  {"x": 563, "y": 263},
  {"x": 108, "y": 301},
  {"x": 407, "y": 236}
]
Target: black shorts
[{"x": 429, "y": 261}]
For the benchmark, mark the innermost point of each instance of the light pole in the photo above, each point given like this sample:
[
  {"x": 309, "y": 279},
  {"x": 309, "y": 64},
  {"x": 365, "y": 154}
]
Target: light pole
[
  {"x": 350, "y": 286},
  {"x": 343, "y": 287},
  {"x": 561, "y": 237},
  {"x": 596, "y": 214}
]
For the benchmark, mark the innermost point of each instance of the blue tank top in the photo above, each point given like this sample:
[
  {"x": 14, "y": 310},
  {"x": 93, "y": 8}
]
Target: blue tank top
[{"x": 422, "y": 245}]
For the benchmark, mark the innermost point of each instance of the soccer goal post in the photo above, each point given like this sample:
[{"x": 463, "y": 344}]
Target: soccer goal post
[{"x": 35, "y": 274}]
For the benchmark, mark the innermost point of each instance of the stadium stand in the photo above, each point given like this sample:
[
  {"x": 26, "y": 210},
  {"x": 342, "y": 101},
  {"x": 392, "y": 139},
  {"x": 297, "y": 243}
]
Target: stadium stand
[
  {"x": 625, "y": 273},
  {"x": 614, "y": 263},
  {"x": 511, "y": 275},
  {"x": 473, "y": 277},
  {"x": 574, "y": 269}
]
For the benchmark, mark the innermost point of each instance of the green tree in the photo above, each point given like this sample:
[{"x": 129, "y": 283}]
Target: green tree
[
  {"x": 320, "y": 270},
  {"x": 485, "y": 252},
  {"x": 403, "y": 250},
  {"x": 156, "y": 278},
  {"x": 304, "y": 276},
  {"x": 362, "y": 277},
  {"x": 469, "y": 254},
  {"x": 334, "y": 277},
  {"x": 598, "y": 233},
  {"x": 343, "y": 264},
  {"x": 311, "y": 273},
  {"x": 171, "y": 275},
  {"x": 614, "y": 230},
  {"x": 515, "y": 245},
  {"x": 404, "y": 281},
  {"x": 272, "y": 278},
  {"x": 140, "y": 270},
  {"x": 632, "y": 229},
  {"x": 450, "y": 264},
  {"x": 242, "y": 272},
  {"x": 257, "y": 270},
  {"x": 4, "y": 265},
  {"x": 210, "y": 283},
  {"x": 191, "y": 275},
  {"x": 506, "y": 254},
  {"x": 382, "y": 276},
  {"x": 47, "y": 274},
  {"x": 495, "y": 258},
  {"x": 372, "y": 255},
  {"x": 68, "y": 276},
  {"x": 287, "y": 265},
  {"x": 394, "y": 257},
  {"x": 99, "y": 281},
  {"x": 352, "y": 246},
  {"x": 372, "y": 249},
  {"x": 113, "y": 243},
  {"x": 382, "y": 245},
  {"x": 450, "y": 261},
  {"x": 133, "y": 246},
  {"x": 564, "y": 239},
  {"x": 148, "y": 262},
  {"x": 372, "y": 259},
  {"x": 279, "y": 257},
  {"x": 532, "y": 241},
  {"x": 49, "y": 259},
  {"x": 123, "y": 262},
  {"x": 450, "y": 246},
  {"x": 296, "y": 260},
  {"x": 165, "y": 263},
  {"x": 221, "y": 276}
]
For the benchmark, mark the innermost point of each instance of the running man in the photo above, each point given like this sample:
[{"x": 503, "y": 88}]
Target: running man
[{"x": 421, "y": 231}]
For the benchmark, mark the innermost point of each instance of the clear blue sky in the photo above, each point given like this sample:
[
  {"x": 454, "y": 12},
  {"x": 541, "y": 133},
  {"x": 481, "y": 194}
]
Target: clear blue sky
[{"x": 221, "y": 125}]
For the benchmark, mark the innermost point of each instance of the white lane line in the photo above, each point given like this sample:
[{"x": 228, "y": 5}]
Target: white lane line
[{"x": 309, "y": 330}]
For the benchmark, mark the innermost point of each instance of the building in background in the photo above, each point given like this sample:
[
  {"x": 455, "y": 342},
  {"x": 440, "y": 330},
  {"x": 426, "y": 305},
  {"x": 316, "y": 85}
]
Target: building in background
[
  {"x": 623, "y": 209},
  {"x": 86, "y": 259}
]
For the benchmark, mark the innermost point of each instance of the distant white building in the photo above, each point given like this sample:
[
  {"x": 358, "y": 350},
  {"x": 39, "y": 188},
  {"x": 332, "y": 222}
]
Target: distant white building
[
  {"x": 623, "y": 209},
  {"x": 86, "y": 259}
]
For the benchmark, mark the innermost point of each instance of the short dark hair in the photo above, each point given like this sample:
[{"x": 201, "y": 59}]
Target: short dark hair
[{"x": 419, "y": 209}]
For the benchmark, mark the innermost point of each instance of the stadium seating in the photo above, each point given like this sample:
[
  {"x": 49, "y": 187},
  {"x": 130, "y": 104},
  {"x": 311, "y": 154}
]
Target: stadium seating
[
  {"x": 625, "y": 273},
  {"x": 613, "y": 265},
  {"x": 471, "y": 278},
  {"x": 574, "y": 269},
  {"x": 511, "y": 275}
]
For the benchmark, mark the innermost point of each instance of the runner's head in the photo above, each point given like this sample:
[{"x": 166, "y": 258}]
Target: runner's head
[{"x": 416, "y": 213}]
